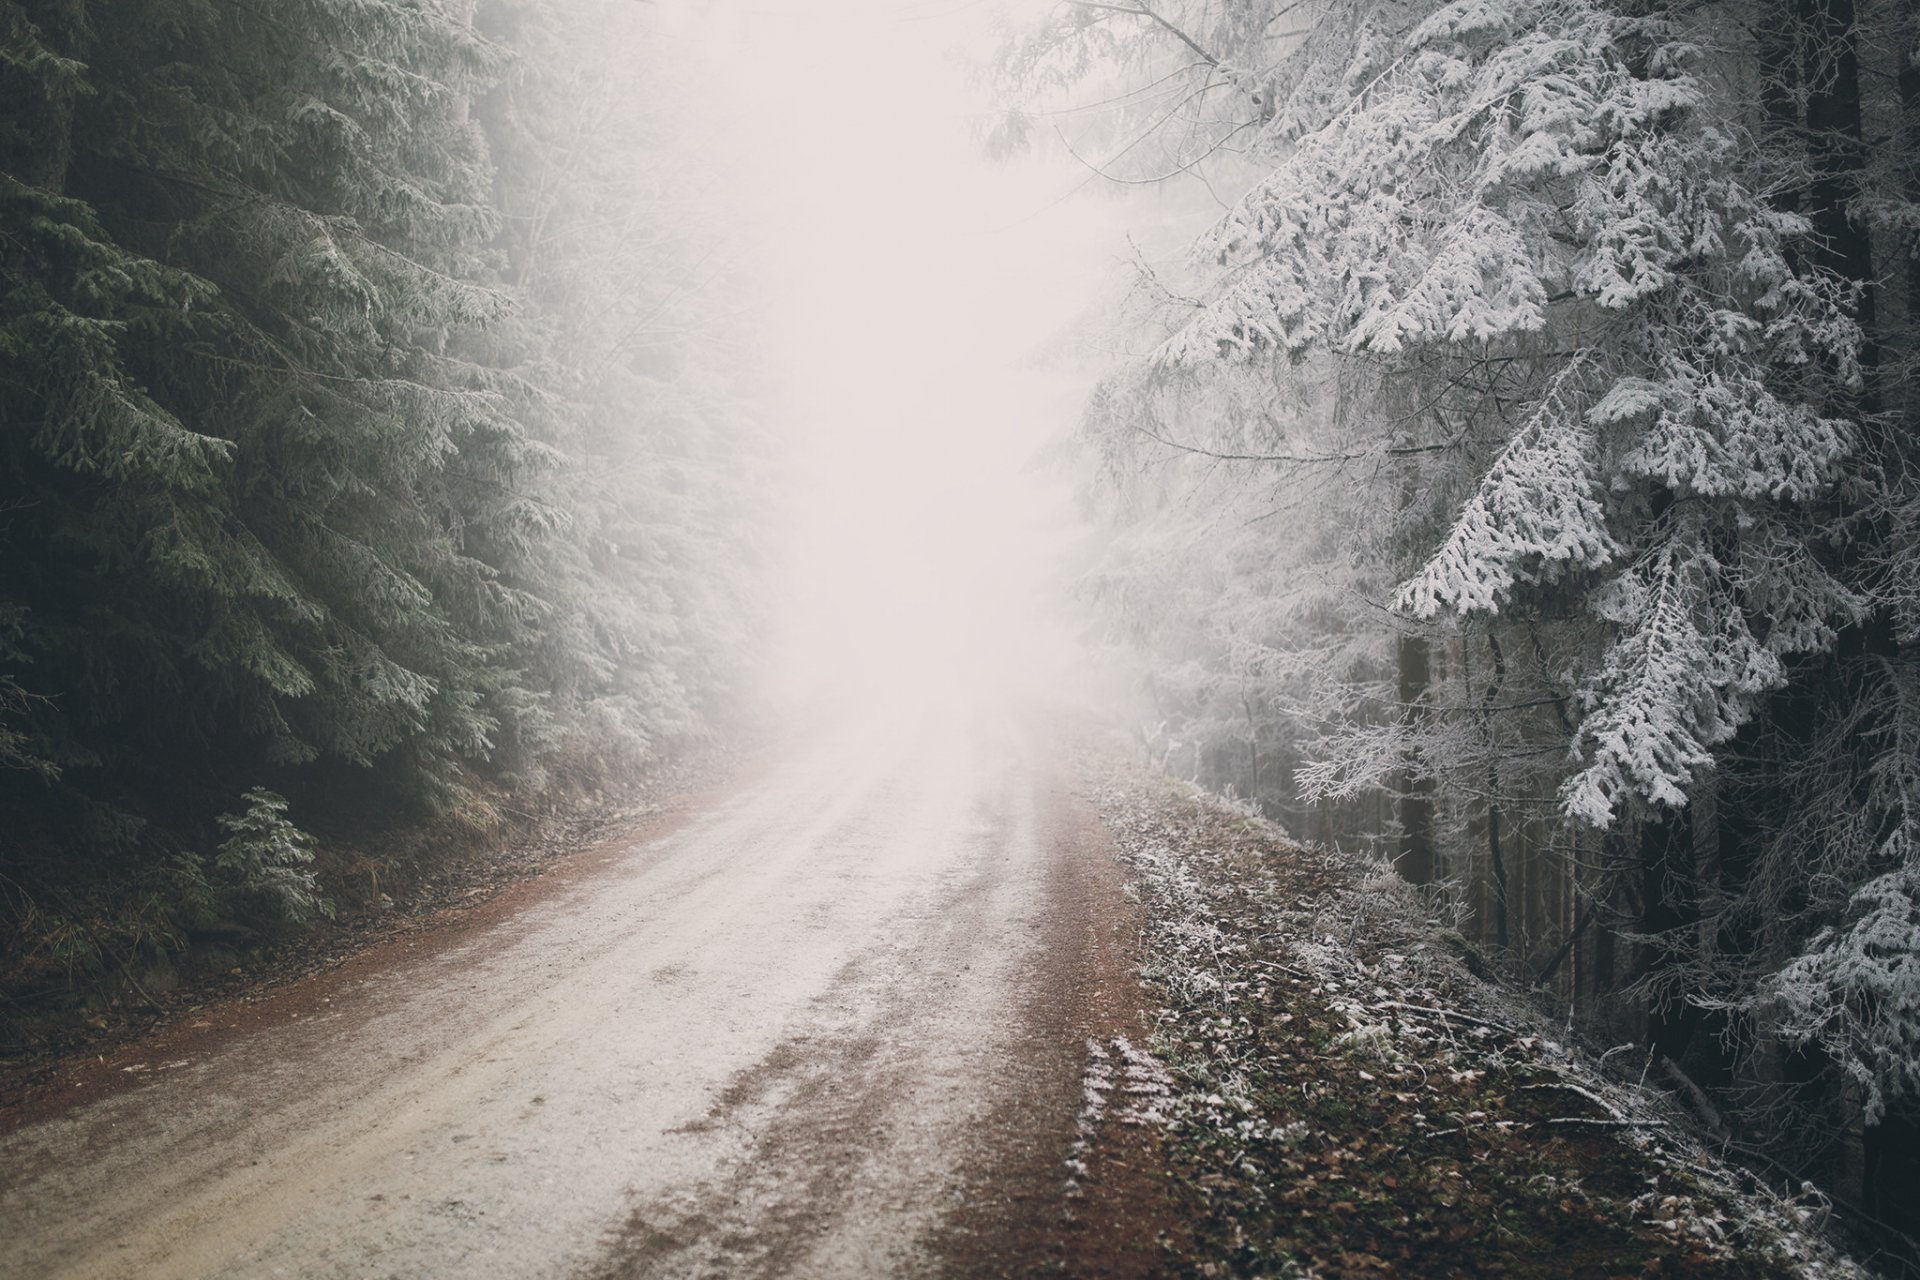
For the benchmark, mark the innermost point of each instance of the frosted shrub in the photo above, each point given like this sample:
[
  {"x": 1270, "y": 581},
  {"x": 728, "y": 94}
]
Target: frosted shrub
[{"x": 267, "y": 856}]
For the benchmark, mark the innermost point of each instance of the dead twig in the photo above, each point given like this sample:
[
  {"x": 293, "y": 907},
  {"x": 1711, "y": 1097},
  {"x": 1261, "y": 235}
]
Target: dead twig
[
  {"x": 1288, "y": 969},
  {"x": 1455, "y": 1016},
  {"x": 1571, "y": 1087}
]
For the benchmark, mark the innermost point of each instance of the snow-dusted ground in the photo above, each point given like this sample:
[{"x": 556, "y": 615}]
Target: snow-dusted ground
[{"x": 1347, "y": 1099}]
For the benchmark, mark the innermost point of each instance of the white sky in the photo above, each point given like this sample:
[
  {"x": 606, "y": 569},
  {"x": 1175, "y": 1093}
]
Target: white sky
[{"x": 912, "y": 279}]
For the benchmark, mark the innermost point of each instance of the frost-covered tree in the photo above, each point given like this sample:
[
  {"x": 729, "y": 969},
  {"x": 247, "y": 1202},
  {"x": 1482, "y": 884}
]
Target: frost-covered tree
[
  {"x": 251, "y": 466},
  {"x": 1548, "y": 183},
  {"x": 1227, "y": 567},
  {"x": 1804, "y": 943},
  {"x": 323, "y": 472},
  {"x": 1605, "y": 269},
  {"x": 1542, "y": 186},
  {"x": 638, "y": 316}
]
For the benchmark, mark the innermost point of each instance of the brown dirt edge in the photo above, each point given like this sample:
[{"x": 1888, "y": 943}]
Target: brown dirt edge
[
  {"x": 472, "y": 886},
  {"x": 1021, "y": 1220}
]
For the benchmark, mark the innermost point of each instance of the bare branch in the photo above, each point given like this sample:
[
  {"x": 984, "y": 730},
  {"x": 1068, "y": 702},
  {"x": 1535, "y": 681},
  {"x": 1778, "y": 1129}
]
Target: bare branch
[{"x": 1142, "y": 11}]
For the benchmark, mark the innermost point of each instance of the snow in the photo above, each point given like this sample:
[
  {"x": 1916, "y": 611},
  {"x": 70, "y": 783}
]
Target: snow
[{"x": 1412, "y": 1012}]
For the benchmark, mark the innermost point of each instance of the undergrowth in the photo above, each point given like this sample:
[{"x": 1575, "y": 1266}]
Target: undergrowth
[
  {"x": 1350, "y": 1101},
  {"x": 99, "y": 946}
]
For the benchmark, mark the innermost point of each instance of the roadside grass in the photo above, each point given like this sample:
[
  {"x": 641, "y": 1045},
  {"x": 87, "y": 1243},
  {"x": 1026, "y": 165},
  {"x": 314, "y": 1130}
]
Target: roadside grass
[{"x": 1343, "y": 1098}]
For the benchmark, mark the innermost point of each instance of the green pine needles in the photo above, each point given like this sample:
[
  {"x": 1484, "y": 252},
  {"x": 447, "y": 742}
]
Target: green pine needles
[
  {"x": 294, "y": 482},
  {"x": 266, "y": 855}
]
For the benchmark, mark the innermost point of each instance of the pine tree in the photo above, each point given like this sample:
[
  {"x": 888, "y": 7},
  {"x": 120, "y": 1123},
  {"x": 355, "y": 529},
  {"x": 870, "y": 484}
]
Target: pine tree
[
  {"x": 261, "y": 501},
  {"x": 339, "y": 456},
  {"x": 619, "y": 240}
]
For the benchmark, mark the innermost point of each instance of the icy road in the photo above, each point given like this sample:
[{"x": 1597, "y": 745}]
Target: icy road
[{"x": 828, "y": 1023}]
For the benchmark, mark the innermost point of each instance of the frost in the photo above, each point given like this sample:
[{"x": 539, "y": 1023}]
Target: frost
[
  {"x": 1720, "y": 431},
  {"x": 1628, "y": 398},
  {"x": 1428, "y": 1049},
  {"x": 1486, "y": 18},
  {"x": 1682, "y": 678},
  {"x": 1537, "y": 504},
  {"x": 1854, "y": 989},
  {"x": 1146, "y": 1090},
  {"x": 1479, "y": 284},
  {"x": 1512, "y": 182},
  {"x": 1857, "y": 990}
]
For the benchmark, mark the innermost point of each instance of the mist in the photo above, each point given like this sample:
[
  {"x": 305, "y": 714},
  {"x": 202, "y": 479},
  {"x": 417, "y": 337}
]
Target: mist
[
  {"x": 914, "y": 288},
  {"x": 758, "y": 638}
]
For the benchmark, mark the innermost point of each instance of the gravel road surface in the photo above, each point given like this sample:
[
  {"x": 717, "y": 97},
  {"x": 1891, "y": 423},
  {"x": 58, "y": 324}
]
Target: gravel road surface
[{"x": 826, "y": 1024}]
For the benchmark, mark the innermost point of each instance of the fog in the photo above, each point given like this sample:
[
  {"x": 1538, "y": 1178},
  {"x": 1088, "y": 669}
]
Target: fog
[
  {"x": 911, "y": 285},
  {"x": 529, "y": 513}
]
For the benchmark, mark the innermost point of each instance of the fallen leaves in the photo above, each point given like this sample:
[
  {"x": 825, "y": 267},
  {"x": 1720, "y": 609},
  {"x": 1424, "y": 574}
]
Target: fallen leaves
[{"x": 1341, "y": 1105}]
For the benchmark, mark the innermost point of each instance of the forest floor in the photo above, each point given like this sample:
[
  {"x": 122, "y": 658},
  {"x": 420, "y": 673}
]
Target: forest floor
[{"x": 1336, "y": 1095}]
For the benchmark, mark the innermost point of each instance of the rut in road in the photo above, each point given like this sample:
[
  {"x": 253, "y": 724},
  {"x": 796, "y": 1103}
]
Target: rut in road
[{"x": 828, "y": 1027}]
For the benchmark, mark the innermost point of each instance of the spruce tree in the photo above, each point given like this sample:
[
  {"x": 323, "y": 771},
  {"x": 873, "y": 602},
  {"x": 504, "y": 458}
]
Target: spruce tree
[{"x": 262, "y": 500}]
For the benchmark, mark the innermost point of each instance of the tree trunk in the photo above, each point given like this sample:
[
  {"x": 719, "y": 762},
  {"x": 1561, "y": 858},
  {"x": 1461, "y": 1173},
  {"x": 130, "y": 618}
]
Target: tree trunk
[
  {"x": 1253, "y": 746},
  {"x": 1909, "y": 86},
  {"x": 1414, "y": 860},
  {"x": 1836, "y": 148},
  {"x": 1667, "y": 907},
  {"x": 1610, "y": 914},
  {"x": 1494, "y": 856},
  {"x": 1890, "y": 1156}
]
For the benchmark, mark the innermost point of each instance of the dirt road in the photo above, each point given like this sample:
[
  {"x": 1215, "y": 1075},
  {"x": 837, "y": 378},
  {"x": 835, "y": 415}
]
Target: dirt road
[{"x": 829, "y": 1025}]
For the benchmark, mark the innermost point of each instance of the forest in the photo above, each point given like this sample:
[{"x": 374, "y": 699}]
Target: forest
[
  {"x": 1513, "y": 470},
  {"x": 1497, "y": 455},
  {"x": 380, "y": 439}
]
